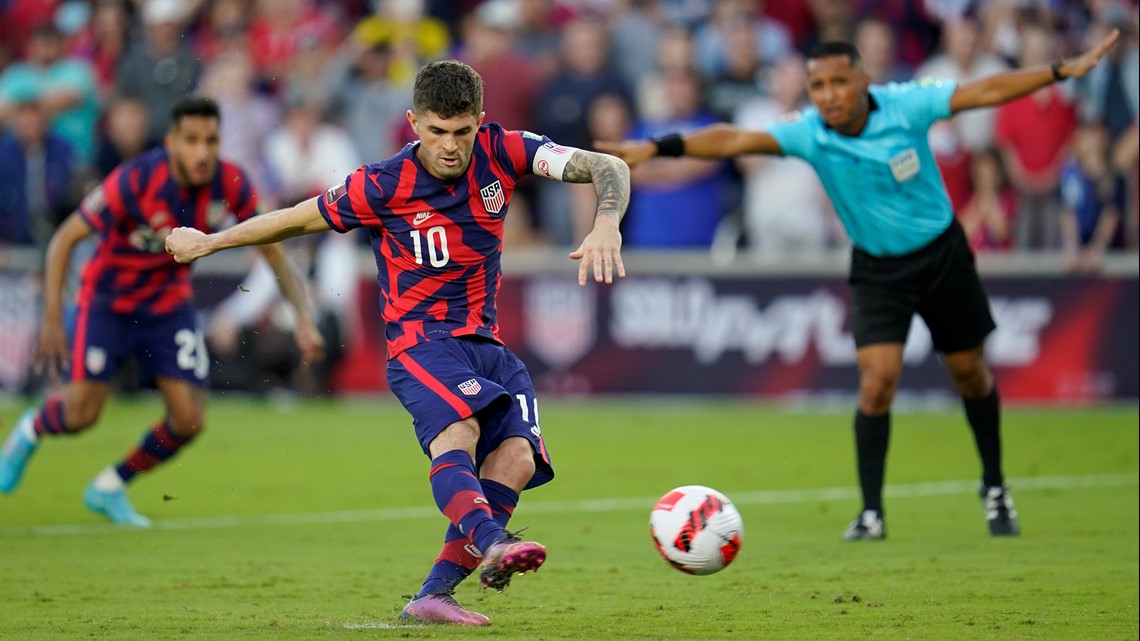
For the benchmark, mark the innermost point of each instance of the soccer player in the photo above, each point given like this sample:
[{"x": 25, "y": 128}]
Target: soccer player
[
  {"x": 868, "y": 145},
  {"x": 435, "y": 214},
  {"x": 135, "y": 300}
]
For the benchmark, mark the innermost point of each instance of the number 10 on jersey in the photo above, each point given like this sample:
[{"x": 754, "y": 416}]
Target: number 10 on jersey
[{"x": 436, "y": 239}]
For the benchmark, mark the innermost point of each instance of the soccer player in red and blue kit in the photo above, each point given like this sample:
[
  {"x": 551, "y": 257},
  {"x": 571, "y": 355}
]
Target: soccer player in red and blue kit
[
  {"x": 135, "y": 300},
  {"x": 435, "y": 214}
]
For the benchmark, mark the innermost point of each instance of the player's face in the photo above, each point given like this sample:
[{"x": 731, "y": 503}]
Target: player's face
[
  {"x": 192, "y": 144},
  {"x": 839, "y": 91},
  {"x": 445, "y": 143}
]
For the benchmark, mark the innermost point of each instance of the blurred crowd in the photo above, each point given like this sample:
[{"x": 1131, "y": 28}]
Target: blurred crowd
[{"x": 311, "y": 90}]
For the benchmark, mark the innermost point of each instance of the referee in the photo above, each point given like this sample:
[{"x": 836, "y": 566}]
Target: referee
[{"x": 868, "y": 143}]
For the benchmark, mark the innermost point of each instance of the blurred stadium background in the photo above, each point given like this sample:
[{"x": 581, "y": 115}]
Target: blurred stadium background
[{"x": 736, "y": 269}]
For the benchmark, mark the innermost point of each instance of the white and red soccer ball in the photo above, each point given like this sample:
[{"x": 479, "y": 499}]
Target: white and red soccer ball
[{"x": 696, "y": 529}]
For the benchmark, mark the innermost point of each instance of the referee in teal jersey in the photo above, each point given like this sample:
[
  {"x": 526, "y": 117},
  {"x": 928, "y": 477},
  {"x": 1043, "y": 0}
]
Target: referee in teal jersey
[{"x": 868, "y": 143}]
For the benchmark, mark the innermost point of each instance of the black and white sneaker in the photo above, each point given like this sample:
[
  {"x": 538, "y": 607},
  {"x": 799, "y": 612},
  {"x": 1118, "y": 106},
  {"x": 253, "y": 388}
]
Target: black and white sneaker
[
  {"x": 868, "y": 526},
  {"x": 1000, "y": 513}
]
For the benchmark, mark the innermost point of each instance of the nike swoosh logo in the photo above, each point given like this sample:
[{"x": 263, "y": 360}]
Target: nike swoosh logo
[{"x": 421, "y": 217}]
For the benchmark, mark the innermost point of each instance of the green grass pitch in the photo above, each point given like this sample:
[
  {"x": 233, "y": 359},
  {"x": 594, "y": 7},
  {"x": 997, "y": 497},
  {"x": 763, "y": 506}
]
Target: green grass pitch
[{"x": 312, "y": 521}]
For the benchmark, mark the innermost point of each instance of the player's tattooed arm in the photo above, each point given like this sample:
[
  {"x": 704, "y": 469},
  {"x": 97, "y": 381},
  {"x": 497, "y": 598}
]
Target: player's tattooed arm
[
  {"x": 600, "y": 251},
  {"x": 609, "y": 174}
]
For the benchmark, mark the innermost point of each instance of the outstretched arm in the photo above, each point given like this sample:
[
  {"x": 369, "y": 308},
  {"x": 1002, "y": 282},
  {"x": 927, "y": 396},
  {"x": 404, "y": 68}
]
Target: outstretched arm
[
  {"x": 188, "y": 244},
  {"x": 1003, "y": 87},
  {"x": 713, "y": 141},
  {"x": 601, "y": 248}
]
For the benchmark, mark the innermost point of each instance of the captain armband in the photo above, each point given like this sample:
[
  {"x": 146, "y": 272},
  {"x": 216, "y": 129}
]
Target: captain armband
[{"x": 550, "y": 160}]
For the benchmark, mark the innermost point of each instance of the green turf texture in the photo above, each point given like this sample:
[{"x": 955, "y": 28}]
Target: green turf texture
[{"x": 312, "y": 521}]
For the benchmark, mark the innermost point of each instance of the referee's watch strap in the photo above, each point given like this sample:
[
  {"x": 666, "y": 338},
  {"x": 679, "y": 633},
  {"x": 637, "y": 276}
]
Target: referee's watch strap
[
  {"x": 670, "y": 145},
  {"x": 1056, "y": 69}
]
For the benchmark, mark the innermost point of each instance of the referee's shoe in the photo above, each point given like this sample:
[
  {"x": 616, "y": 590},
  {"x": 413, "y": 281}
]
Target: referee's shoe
[
  {"x": 868, "y": 526},
  {"x": 1000, "y": 513}
]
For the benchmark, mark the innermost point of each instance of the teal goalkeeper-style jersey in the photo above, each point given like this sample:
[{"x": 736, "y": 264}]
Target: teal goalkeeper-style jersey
[{"x": 884, "y": 183}]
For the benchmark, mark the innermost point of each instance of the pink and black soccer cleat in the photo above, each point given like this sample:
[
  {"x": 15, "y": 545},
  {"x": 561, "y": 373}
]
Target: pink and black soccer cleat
[
  {"x": 441, "y": 608},
  {"x": 507, "y": 558}
]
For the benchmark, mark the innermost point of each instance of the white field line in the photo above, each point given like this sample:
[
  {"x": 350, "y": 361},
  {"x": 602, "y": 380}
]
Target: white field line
[
  {"x": 382, "y": 626},
  {"x": 615, "y": 504}
]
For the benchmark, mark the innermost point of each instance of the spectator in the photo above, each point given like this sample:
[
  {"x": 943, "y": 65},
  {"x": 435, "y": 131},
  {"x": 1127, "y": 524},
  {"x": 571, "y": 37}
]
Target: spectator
[
  {"x": 964, "y": 59},
  {"x": 413, "y": 37},
  {"x": 307, "y": 155},
  {"x": 37, "y": 173},
  {"x": 104, "y": 42},
  {"x": 248, "y": 116},
  {"x": 1126, "y": 161},
  {"x": 510, "y": 81},
  {"x": 675, "y": 54},
  {"x": 224, "y": 28},
  {"x": 911, "y": 25},
  {"x": 636, "y": 28},
  {"x": 1092, "y": 197},
  {"x": 987, "y": 218},
  {"x": 19, "y": 20},
  {"x": 834, "y": 20},
  {"x": 741, "y": 77},
  {"x": 561, "y": 108},
  {"x": 1033, "y": 134},
  {"x": 160, "y": 69},
  {"x": 796, "y": 16},
  {"x": 877, "y": 44},
  {"x": 677, "y": 204},
  {"x": 126, "y": 134},
  {"x": 365, "y": 100},
  {"x": 280, "y": 30},
  {"x": 66, "y": 90},
  {"x": 785, "y": 207},
  {"x": 538, "y": 35},
  {"x": 770, "y": 38}
]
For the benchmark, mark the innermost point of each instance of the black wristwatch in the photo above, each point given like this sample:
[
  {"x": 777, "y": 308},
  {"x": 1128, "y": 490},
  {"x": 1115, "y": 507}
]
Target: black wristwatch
[{"x": 1056, "y": 69}]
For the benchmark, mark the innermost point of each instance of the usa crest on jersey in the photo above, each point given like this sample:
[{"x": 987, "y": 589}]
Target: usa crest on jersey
[
  {"x": 493, "y": 197},
  {"x": 470, "y": 387}
]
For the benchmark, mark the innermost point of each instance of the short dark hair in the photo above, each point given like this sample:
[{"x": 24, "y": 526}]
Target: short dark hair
[
  {"x": 836, "y": 48},
  {"x": 194, "y": 106},
  {"x": 447, "y": 88}
]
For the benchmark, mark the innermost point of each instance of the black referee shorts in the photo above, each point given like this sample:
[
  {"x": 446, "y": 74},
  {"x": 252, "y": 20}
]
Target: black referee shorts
[{"x": 939, "y": 282}]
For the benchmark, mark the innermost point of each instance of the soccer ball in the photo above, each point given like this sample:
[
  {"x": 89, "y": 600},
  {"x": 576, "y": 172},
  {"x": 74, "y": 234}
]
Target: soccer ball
[{"x": 696, "y": 529}]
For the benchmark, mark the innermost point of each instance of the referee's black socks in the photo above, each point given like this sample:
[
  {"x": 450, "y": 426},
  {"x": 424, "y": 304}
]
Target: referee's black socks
[
  {"x": 984, "y": 415},
  {"x": 872, "y": 436}
]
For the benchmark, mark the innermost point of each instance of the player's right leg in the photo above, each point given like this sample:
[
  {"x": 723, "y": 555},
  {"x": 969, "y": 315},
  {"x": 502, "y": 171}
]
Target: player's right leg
[
  {"x": 68, "y": 412},
  {"x": 506, "y": 471}
]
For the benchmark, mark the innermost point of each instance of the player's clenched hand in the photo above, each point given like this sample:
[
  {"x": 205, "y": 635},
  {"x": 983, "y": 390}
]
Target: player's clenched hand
[
  {"x": 51, "y": 351},
  {"x": 600, "y": 251},
  {"x": 633, "y": 152},
  {"x": 186, "y": 244}
]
